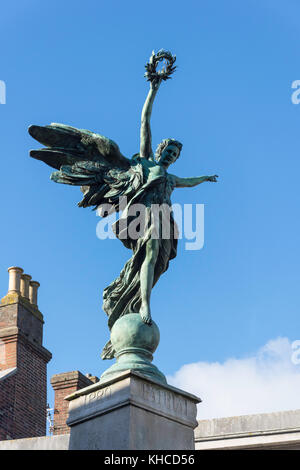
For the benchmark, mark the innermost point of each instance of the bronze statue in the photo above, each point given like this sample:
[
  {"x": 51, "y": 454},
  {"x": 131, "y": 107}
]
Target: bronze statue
[{"x": 95, "y": 163}]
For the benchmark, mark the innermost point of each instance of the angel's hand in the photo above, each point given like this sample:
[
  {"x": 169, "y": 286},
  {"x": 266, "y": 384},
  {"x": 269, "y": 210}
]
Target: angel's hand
[
  {"x": 212, "y": 179},
  {"x": 155, "y": 83}
]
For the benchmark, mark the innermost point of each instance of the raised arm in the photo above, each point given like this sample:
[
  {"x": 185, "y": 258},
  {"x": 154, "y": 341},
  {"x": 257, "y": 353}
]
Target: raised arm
[
  {"x": 145, "y": 134},
  {"x": 155, "y": 77},
  {"x": 190, "y": 182}
]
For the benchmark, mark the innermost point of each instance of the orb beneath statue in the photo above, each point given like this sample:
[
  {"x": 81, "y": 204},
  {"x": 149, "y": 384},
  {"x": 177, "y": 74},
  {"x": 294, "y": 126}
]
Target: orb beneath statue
[{"x": 134, "y": 342}]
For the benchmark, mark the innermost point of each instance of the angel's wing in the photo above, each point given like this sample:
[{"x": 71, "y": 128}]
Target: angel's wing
[
  {"x": 89, "y": 160},
  {"x": 66, "y": 145}
]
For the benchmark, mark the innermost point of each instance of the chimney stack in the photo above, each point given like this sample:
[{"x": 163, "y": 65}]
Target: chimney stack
[
  {"x": 64, "y": 384},
  {"x": 25, "y": 280},
  {"x": 14, "y": 280},
  {"x": 33, "y": 293},
  {"x": 21, "y": 286},
  {"x": 23, "y": 368}
]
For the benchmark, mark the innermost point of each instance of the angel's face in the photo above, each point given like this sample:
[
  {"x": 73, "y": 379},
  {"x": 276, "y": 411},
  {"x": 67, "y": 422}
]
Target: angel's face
[{"x": 169, "y": 155}]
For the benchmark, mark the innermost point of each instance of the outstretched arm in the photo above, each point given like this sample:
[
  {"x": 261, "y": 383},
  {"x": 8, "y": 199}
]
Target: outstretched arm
[
  {"x": 145, "y": 135},
  {"x": 190, "y": 182}
]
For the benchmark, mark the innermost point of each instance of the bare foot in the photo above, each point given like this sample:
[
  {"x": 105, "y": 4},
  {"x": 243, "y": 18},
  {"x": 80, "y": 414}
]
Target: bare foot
[{"x": 145, "y": 314}]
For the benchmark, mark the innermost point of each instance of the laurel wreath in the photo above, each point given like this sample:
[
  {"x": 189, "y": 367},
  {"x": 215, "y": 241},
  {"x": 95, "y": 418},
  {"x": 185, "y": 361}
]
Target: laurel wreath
[{"x": 165, "y": 73}]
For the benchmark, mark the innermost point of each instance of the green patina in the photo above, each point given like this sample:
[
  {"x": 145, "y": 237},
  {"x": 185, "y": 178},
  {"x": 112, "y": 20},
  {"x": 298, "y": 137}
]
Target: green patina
[{"x": 95, "y": 163}]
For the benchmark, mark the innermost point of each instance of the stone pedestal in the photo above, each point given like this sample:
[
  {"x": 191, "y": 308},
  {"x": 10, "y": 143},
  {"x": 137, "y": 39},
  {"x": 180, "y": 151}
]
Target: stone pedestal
[{"x": 132, "y": 412}]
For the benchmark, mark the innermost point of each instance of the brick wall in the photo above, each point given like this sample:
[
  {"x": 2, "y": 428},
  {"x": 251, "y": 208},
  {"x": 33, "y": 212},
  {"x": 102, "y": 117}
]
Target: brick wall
[
  {"x": 64, "y": 384},
  {"x": 23, "y": 395},
  {"x": 7, "y": 401},
  {"x": 23, "y": 368},
  {"x": 31, "y": 391}
]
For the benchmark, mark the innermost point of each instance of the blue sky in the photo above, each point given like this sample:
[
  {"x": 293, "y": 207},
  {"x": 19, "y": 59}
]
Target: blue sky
[{"x": 82, "y": 64}]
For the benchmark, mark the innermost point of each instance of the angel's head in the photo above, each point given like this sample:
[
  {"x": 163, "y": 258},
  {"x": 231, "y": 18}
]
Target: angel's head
[{"x": 168, "y": 151}]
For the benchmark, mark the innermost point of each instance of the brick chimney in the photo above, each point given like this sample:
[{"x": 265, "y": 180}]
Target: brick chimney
[
  {"x": 64, "y": 384},
  {"x": 23, "y": 360}
]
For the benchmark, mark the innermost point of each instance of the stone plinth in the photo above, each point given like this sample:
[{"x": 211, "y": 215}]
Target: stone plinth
[{"x": 132, "y": 412}]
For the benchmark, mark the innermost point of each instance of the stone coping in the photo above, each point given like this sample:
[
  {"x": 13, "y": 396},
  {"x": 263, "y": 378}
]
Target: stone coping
[
  {"x": 4, "y": 374},
  {"x": 60, "y": 442},
  {"x": 245, "y": 425},
  {"x": 124, "y": 375}
]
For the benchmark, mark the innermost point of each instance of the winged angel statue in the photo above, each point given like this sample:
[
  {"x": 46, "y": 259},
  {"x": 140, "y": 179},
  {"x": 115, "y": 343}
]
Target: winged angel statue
[{"x": 106, "y": 177}]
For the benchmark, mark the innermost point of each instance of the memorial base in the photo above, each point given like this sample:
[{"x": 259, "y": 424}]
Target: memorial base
[{"x": 132, "y": 412}]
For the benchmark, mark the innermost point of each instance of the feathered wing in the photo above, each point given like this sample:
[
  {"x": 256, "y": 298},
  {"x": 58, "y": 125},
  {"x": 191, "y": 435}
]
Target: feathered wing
[
  {"x": 89, "y": 160},
  {"x": 66, "y": 145},
  {"x": 92, "y": 162}
]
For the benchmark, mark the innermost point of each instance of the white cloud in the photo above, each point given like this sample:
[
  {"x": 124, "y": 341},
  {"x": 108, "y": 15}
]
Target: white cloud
[{"x": 265, "y": 382}]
